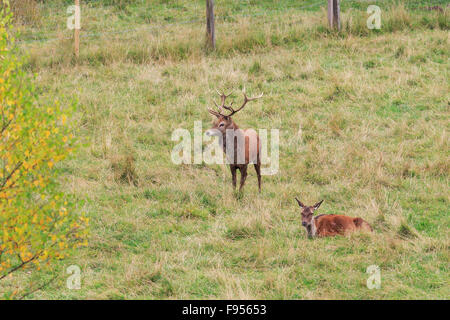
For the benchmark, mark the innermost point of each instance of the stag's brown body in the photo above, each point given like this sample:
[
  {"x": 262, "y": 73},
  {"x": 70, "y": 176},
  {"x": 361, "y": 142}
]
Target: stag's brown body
[
  {"x": 246, "y": 146},
  {"x": 327, "y": 225}
]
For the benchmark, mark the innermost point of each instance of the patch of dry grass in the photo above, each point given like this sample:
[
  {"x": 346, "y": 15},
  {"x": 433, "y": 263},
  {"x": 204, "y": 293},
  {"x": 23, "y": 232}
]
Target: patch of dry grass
[{"x": 26, "y": 12}]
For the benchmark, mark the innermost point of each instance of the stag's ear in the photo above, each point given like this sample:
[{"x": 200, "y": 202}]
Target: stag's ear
[
  {"x": 299, "y": 203},
  {"x": 317, "y": 205}
]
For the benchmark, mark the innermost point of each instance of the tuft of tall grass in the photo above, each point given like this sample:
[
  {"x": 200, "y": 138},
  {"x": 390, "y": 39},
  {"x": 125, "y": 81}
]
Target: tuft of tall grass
[{"x": 124, "y": 169}]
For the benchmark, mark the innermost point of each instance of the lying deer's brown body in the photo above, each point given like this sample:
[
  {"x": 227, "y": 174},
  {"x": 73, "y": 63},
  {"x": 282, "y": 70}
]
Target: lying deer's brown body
[
  {"x": 326, "y": 225},
  {"x": 246, "y": 144},
  {"x": 333, "y": 224}
]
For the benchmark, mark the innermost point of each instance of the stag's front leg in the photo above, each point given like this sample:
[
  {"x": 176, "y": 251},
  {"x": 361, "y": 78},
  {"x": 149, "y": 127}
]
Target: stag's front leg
[
  {"x": 258, "y": 173},
  {"x": 233, "y": 175},
  {"x": 243, "y": 176}
]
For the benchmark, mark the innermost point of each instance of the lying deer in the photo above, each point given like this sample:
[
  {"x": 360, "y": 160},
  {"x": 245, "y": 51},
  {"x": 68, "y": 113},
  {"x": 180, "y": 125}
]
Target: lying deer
[
  {"x": 326, "y": 225},
  {"x": 245, "y": 147}
]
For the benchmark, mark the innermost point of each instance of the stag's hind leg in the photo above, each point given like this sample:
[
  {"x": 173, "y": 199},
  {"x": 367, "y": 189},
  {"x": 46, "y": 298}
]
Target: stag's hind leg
[
  {"x": 258, "y": 173},
  {"x": 243, "y": 170},
  {"x": 233, "y": 175}
]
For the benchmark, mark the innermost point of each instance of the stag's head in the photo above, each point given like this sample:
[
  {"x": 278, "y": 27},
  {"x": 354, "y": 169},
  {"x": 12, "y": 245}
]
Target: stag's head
[
  {"x": 223, "y": 121},
  {"x": 308, "y": 212}
]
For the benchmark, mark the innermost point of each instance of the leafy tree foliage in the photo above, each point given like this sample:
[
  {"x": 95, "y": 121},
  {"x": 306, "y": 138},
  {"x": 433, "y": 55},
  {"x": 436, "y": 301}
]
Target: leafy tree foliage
[{"x": 37, "y": 222}]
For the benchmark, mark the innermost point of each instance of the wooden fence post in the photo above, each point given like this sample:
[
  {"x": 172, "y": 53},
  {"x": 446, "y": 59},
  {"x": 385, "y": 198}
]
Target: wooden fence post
[
  {"x": 210, "y": 31},
  {"x": 330, "y": 13},
  {"x": 337, "y": 15},
  {"x": 77, "y": 28},
  {"x": 334, "y": 14}
]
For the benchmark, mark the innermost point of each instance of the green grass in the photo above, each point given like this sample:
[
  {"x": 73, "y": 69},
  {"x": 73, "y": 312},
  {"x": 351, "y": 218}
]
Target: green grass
[{"x": 373, "y": 112}]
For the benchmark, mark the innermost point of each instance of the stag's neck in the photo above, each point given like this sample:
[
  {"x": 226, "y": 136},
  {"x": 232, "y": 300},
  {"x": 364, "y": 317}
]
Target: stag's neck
[{"x": 235, "y": 127}]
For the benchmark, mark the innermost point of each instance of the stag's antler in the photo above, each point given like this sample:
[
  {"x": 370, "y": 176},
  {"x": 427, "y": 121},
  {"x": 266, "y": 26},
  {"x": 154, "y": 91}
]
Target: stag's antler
[
  {"x": 229, "y": 108},
  {"x": 246, "y": 99},
  {"x": 223, "y": 96}
]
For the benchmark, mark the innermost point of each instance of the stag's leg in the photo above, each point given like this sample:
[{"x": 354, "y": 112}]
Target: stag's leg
[
  {"x": 233, "y": 175},
  {"x": 258, "y": 173},
  {"x": 243, "y": 176}
]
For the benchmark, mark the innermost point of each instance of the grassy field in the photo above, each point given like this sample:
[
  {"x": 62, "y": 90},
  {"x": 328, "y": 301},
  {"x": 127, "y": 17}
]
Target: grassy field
[{"x": 363, "y": 118}]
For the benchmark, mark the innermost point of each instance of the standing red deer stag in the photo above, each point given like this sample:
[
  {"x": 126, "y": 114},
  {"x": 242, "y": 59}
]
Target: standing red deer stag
[
  {"x": 326, "y": 225},
  {"x": 245, "y": 145}
]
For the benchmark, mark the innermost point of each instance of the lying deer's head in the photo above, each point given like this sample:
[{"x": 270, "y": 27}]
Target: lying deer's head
[
  {"x": 308, "y": 212},
  {"x": 224, "y": 121}
]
